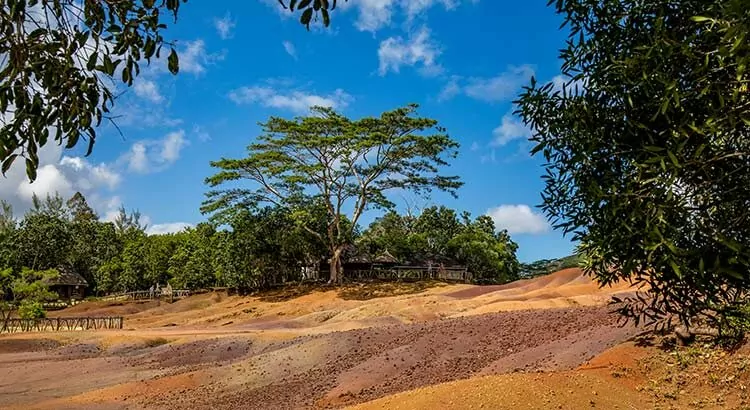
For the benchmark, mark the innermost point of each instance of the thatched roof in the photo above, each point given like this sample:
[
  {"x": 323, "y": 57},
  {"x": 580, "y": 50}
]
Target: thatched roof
[
  {"x": 67, "y": 278},
  {"x": 385, "y": 257}
]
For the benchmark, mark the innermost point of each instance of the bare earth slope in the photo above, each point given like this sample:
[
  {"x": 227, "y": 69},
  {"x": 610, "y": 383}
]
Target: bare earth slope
[{"x": 314, "y": 351}]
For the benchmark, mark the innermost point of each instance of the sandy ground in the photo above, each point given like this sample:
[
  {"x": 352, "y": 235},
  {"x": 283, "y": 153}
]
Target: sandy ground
[{"x": 321, "y": 350}]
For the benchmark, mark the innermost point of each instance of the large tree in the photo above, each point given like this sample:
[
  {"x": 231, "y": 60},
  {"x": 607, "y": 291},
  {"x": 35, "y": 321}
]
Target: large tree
[
  {"x": 344, "y": 164},
  {"x": 648, "y": 150},
  {"x": 61, "y": 60}
]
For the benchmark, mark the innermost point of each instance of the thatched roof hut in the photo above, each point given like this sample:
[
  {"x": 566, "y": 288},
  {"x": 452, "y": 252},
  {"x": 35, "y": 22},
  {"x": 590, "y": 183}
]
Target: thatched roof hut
[
  {"x": 385, "y": 258},
  {"x": 68, "y": 284}
]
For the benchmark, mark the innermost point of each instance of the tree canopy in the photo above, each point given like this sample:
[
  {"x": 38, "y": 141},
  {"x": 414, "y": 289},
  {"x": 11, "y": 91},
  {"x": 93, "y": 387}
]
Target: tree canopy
[
  {"x": 439, "y": 233},
  {"x": 339, "y": 163},
  {"x": 647, "y": 149}
]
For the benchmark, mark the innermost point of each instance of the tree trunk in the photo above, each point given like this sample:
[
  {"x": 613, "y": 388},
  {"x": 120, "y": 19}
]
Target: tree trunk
[{"x": 337, "y": 269}]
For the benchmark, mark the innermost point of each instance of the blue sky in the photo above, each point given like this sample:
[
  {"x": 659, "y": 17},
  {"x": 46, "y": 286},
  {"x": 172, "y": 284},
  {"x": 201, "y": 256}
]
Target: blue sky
[{"x": 462, "y": 61}]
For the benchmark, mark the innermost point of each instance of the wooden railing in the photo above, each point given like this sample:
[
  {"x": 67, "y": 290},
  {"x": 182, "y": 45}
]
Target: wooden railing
[
  {"x": 148, "y": 295},
  {"x": 453, "y": 273},
  {"x": 60, "y": 324}
]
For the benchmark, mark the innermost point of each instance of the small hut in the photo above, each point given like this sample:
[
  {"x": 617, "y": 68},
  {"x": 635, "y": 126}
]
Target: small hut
[
  {"x": 69, "y": 285},
  {"x": 385, "y": 259}
]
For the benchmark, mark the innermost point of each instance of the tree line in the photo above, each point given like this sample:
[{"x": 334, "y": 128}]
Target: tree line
[{"x": 254, "y": 250}]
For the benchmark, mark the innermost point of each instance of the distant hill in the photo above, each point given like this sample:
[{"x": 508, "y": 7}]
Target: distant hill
[{"x": 546, "y": 266}]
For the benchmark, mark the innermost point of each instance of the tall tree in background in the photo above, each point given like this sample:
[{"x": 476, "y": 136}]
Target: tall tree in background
[
  {"x": 8, "y": 226},
  {"x": 340, "y": 163},
  {"x": 61, "y": 60},
  {"x": 44, "y": 237},
  {"x": 193, "y": 263},
  {"x": 649, "y": 159}
]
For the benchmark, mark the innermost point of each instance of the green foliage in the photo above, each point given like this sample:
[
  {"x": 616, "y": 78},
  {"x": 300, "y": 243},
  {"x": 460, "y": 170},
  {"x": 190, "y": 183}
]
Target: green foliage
[
  {"x": 311, "y": 10},
  {"x": 31, "y": 309},
  {"x": 107, "y": 276},
  {"x": 438, "y": 234},
  {"x": 43, "y": 239},
  {"x": 6, "y": 280},
  {"x": 32, "y": 285},
  {"x": 260, "y": 247},
  {"x": 80, "y": 209},
  {"x": 192, "y": 265},
  {"x": 337, "y": 163},
  {"x": 159, "y": 250},
  {"x": 547, "y": 266},
  {"x": 734, "y": 324},
  {"x": 647, "y": 159},
  {"x": 68, "y": 54}
]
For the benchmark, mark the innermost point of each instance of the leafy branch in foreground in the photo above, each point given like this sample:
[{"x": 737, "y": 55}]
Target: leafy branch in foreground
[
  {"x": 60, "y": 61},
  {"x": 648, "y": 152}
]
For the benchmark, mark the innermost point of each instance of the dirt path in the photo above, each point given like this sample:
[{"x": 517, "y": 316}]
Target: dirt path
[{"x": 238, "y": 370}]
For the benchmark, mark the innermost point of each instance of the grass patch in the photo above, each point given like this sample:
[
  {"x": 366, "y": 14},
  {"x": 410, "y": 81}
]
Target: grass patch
[
  {"x": 366, "y": 291},
  {"x": 157, "y": 341},
  {"x": 697, "y": 376}
]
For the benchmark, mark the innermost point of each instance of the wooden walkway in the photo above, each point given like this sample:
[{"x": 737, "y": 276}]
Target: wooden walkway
[{"x": 60, "y": 324}]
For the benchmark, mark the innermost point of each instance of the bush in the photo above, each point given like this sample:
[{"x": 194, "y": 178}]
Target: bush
[
  {"x": 734, "y": 324},
  {"x": 31, "y": 310}
]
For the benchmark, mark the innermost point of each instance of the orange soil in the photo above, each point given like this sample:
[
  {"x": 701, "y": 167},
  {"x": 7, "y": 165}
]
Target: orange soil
[{"x": 193, "y": 349}]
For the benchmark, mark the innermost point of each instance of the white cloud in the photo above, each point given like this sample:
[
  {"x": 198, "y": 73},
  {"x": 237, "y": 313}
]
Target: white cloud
[
  {"x": 154, "y": 155},
  {"x": 488, "y": 157},
  {"x": 147, "y": 89},
  {"x": 289, "y": 47},
  {"x": 137, "y": 160},
  {"x": 60, "y": 174},
  {"x": 201, "y": 133},
  {"x": 510, "y": 128},
  {"x": 49, "y": 180},
  {"x": 173, "y": 143},
  {"x": 414, "y": 7},
  {"x": 450, "y": 90},
  {"x": 130, "y": 113},
  {"x": 194, "y": 58},
  {"x": 112, "y": 207},
  {"x": 395, "y": 52},
  {"x": 225, "y": 26},
  {"x": 88, "y": 176},
  {"x": 172, "y": 227},
  {"x": 503, "y": 87},
  {"x": 518, "y": 219},
  {"x": 296, "y": 101},
  {"x": 374, "y": 15}
]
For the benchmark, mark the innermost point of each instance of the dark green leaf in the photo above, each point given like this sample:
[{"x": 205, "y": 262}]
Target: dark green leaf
[
  {"x": 173, "y": 62},
  {"x": 306, "y": 17}
]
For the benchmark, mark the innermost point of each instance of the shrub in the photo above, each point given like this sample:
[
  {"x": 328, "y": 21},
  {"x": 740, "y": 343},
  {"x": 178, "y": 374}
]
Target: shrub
[{"x": 29, "y": 309}]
